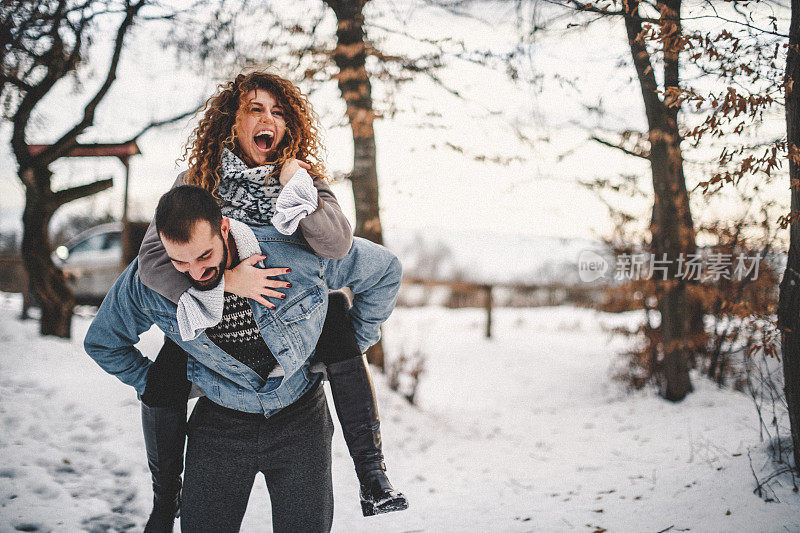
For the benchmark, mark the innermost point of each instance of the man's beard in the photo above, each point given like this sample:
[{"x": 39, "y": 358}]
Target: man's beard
[{"x": 211, "y": 283}]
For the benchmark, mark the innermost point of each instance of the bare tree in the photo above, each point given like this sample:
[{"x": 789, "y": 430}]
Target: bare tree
[
  {"x": 789, "y": 302},
  {"x": 354, "y": 84},
  {"x": 43, "y": 43},
  {"x": 657, "y": 34}
]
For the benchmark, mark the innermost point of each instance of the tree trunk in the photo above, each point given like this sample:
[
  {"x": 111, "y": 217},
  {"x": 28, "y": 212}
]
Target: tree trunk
[
  {"x": 671, "y": 227},
  {"x": 354, "y": 84},
  {"x": 669, "y": 237},
  {"x": 46, "y": 280},
  {"x": 789, "y": 299}
]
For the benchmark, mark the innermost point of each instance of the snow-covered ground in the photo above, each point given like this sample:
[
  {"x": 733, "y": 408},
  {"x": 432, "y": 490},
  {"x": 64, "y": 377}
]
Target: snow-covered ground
[{"x": 523, "y": 432}]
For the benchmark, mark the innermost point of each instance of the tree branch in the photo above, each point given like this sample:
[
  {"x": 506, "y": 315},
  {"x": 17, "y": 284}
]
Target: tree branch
[
  {"x": 740, "y": 23},
  {"x": 22, "y": 85},
  {"x": 641, "y": 61},
  {"x": 23, "y": 114},
  {"x": 636, "y": 153},
  {"x": 67, "y": 141},
  {"x": 53, "y": 59},
  {"x": 166, "y": 121},
  {"x": 590, "y": 8},
  {"x": 74, "y": 193}
]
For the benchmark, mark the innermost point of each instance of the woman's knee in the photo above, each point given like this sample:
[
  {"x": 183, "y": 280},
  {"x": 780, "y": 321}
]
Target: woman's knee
[
  {"x": 167, "y": 383},
  {"x": 337, "y": 340},
  {"x": 338, "y": 301}
]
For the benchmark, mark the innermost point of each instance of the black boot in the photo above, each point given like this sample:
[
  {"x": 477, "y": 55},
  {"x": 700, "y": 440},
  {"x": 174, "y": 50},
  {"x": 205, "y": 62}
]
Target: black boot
[
  {"x": 377, "y": 494},
  {"x": 356, "y": 407},
  {"x": 164, "y": 438}
]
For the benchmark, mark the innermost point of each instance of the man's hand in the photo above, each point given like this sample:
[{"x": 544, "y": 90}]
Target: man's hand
[
  {"x": 248, "y": 281},
  {"x": 289, "y": 168}
]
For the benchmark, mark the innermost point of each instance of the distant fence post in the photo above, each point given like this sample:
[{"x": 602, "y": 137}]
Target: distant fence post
[
  {"x": 487, "y": 289},
  {"x": 555, "y": 291}
]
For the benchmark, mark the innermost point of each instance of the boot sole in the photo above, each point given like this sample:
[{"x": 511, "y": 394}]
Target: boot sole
[{"x": 388, "y": 506}]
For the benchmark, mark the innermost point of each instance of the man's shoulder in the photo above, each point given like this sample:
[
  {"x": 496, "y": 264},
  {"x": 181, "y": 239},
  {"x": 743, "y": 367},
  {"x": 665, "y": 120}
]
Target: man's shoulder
[{"x": 130, "y": 285}]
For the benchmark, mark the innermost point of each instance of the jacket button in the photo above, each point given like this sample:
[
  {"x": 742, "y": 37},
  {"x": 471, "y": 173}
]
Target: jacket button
[{"x": 205, "y": 345}]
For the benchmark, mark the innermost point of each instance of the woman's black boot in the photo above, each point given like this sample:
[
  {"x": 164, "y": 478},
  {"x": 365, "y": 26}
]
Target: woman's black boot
[
  {"x": 164, "y": 426},
  {"x": 164, "y": 438},
  {"x": 356, "y": 408}
]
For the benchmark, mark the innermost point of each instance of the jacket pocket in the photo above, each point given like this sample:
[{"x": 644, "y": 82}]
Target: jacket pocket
[
  {"x": 166, "y": 322},
  {"x": 301, "y": 307}
]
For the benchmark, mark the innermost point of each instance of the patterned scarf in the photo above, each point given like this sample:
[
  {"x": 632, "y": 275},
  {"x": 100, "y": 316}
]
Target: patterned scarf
[{"x": 248, "y": 194}]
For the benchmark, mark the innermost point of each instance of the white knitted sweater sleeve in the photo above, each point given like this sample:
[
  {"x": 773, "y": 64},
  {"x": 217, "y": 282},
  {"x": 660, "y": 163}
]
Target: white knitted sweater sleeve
[{"x": 297, "y": 200}]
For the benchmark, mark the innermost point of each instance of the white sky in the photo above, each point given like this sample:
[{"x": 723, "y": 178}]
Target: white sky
[{"x": 422, "y": 188}]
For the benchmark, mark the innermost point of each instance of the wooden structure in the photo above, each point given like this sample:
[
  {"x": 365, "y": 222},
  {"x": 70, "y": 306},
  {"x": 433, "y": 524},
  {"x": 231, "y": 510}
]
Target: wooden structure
[
  {"x": 123, "y": 152},
  {"x": 577, "y": 292}
]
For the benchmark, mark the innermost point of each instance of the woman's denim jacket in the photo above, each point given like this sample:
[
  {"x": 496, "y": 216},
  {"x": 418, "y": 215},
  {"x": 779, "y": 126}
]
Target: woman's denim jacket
[{"x": 291, "y": 330}]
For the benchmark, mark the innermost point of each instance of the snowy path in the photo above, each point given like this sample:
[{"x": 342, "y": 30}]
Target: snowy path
[{"x": 524, "y": 432}]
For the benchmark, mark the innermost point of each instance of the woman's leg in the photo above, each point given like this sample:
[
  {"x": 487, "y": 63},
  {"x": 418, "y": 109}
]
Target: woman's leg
[
  {"x": 164, "y": 427},
  {"x": 356, "y": 407}
]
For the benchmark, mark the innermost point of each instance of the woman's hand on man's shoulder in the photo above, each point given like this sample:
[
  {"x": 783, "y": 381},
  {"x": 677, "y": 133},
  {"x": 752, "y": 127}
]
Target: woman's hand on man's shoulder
[{"x": 290, "y": 168}]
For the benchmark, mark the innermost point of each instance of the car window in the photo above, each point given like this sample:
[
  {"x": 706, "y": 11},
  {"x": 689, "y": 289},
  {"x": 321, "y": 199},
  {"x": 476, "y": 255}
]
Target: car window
[{"x": 90, "y": 244}]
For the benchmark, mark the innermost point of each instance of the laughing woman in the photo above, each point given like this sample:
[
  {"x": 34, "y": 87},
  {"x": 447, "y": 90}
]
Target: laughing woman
[{"x": 257, "y": 150}]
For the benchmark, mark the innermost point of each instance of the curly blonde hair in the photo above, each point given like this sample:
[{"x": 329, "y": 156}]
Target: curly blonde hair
[{"x": 216, "y": 130}]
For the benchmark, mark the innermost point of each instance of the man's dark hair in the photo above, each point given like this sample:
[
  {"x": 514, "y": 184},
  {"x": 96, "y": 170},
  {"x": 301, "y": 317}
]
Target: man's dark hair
[{"x": 181, "y": 208}]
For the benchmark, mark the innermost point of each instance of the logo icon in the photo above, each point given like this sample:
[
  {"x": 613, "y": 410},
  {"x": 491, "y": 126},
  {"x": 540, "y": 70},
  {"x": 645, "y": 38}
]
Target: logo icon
[{"x": 591, "y": 266}]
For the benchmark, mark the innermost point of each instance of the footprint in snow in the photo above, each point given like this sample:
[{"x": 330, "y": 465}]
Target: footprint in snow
[
  {"x": 12, "y": 422},
  {"x": 82, "y": 436},
  {"x": 8, "y": 473},
  {"x": 96, "y": 424},
  {"x": 45, "y": 492},
  {"x": 108, "y": 522},
  {"x": 36, "y": 433},
  {"x": 29, "y": 526}
]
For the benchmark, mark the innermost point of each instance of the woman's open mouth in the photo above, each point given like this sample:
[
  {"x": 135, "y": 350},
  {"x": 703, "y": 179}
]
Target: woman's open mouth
[{"x": 263, "y": 140}]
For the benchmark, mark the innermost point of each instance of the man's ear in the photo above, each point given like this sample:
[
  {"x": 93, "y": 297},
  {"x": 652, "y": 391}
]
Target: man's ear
[{"x": 225, "y": 227}]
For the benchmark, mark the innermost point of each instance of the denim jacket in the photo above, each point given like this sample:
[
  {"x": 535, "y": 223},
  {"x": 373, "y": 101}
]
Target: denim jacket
[{"x": 291, "y": 330}]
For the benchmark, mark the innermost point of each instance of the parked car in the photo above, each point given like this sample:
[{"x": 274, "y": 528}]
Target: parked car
[{"x": 92, "y": 262}]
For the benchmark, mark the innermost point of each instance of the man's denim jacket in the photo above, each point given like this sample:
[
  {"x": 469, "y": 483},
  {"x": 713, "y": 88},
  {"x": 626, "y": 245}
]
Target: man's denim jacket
[{"x": 291, "y": 330}]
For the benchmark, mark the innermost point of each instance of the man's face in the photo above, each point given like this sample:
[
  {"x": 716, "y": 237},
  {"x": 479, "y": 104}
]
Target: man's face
[
  {"x": 260, "y": 126},
  {"x": 204, "y": 258}
]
